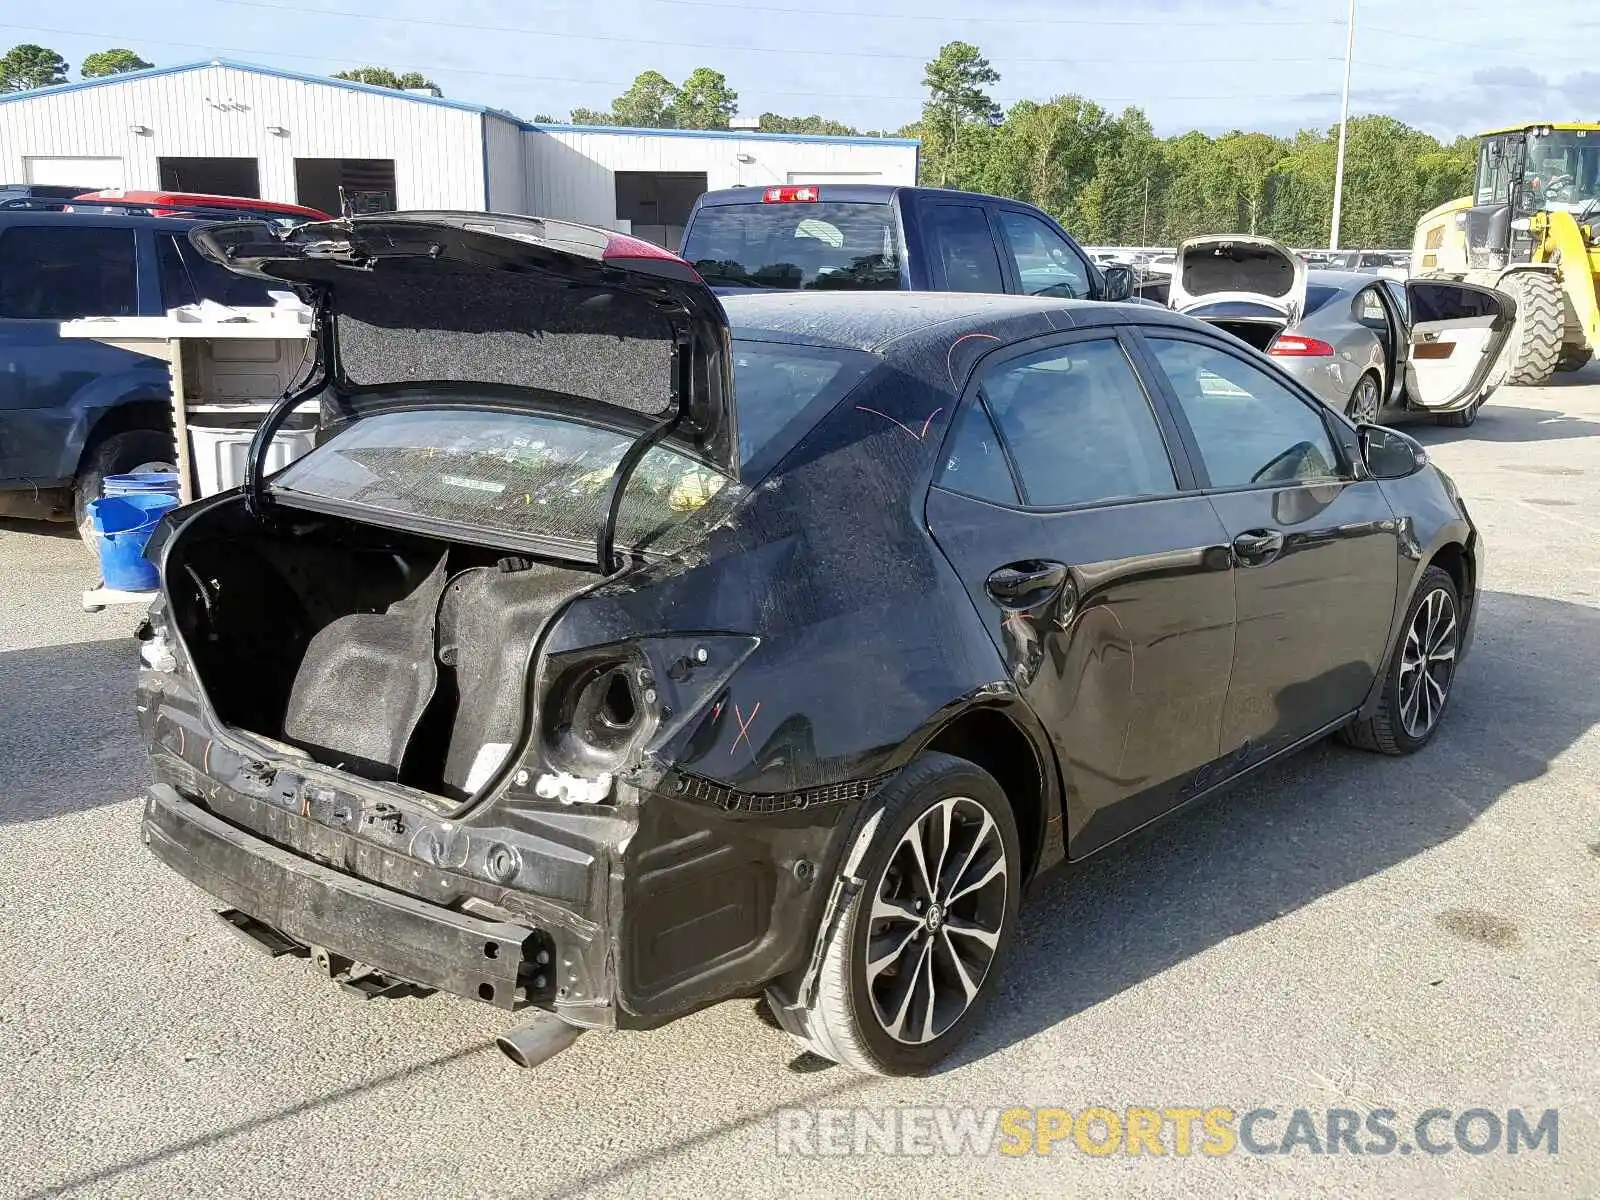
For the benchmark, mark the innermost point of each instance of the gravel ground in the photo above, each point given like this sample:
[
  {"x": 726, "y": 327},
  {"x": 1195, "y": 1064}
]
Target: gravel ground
[{"x": 1347, "y": 932}]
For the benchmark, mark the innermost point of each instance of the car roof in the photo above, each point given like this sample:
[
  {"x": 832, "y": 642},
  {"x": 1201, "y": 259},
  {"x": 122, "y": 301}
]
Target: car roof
[
  {"x": 1343, "y": 280},
  {"x": 31, "y": 216},
  {"x": 894, "y": 323},
  {"x": 861, "y": 193}
]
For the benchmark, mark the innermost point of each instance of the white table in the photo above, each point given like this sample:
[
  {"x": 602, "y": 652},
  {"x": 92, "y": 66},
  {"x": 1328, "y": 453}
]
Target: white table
[{"x": 165, "y": 338}]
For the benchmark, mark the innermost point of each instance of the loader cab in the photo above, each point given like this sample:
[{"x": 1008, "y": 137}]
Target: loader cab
[
  {"x": 1525, "y": 171},
  {"x": 1499, "y": 184}
]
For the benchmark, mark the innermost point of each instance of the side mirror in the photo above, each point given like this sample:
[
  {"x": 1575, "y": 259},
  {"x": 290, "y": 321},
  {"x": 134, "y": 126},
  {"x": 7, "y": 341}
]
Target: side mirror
[
  {"x": 1118, "y": 283},
  {"x": 1390, "y": 454}
]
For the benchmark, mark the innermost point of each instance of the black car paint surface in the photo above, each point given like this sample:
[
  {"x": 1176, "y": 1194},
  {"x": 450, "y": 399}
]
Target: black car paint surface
[{"x": 833, "y": 625}]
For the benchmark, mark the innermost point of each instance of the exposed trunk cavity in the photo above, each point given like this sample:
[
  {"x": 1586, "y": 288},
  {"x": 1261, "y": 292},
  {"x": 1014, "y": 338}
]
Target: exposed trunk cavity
[
  {"x": 394, "y": 657},
  {"x": 1260, "y": 333}
]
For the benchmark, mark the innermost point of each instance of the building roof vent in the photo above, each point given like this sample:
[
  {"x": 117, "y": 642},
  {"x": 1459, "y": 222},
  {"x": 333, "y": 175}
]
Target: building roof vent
[{"x": 424, "y": 91}]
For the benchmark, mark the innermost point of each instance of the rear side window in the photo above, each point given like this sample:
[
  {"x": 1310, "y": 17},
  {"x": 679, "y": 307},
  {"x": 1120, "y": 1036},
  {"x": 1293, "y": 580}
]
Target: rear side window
[
  {"x": 1318, "y": 294},
  {"x": 60, "y": 273},
  {"x": 188, "y": 277},
  {"x": 959, "y": 237},
  {"x": 817, "y": 245},
  {"x": 1079, "y": 426},
  {"x": 976, "y": 464}
]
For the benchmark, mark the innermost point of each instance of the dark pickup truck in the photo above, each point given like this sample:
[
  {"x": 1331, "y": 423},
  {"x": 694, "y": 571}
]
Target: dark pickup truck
[
  {"x": 879, "y": 237},
  {"x": 73, "y": 411}
]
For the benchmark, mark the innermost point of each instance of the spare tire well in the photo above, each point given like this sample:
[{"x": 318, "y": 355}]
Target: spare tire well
[{"x": 991, "y": 740}]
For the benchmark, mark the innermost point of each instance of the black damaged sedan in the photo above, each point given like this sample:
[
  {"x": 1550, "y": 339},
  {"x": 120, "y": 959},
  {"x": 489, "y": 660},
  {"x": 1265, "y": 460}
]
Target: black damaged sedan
[{"x": 620, "y": 650}]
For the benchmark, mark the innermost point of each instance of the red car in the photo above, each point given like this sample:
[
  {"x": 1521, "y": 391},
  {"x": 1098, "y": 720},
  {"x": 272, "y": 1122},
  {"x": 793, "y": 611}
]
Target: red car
[{"x": 195, "y": 204}]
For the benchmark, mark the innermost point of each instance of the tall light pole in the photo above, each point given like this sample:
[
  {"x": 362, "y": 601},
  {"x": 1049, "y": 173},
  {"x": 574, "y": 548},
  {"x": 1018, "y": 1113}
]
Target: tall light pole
[{"x": 1344, "y": 124}]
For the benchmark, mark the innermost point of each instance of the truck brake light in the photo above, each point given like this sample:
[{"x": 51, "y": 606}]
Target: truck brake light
[{"x": 790, "y": 194}]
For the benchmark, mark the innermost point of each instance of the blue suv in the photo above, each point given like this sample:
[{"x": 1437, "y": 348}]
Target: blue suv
[
  {"x": 867, "y": 237},
  {"x": 74, "y": 411}
]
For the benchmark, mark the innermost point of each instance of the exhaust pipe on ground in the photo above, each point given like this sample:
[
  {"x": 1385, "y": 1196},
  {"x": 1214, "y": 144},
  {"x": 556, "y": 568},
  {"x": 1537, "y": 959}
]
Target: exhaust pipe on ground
[{"x": 537, "y": 1040}]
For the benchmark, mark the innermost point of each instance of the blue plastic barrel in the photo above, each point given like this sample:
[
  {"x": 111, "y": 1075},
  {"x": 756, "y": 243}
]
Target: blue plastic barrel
[
  {"x": 141, "y": 483},
  {"x": 122, "y": 526}
]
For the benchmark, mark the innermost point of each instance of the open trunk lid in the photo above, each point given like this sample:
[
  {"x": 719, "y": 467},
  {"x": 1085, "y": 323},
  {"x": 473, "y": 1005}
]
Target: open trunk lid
[
  {"x": 517, "y": 312},
  {"x": 1215, "y": 275}
]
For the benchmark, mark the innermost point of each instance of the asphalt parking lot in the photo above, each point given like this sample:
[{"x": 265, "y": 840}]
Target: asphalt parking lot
[{"x": 1347, "y": 932}]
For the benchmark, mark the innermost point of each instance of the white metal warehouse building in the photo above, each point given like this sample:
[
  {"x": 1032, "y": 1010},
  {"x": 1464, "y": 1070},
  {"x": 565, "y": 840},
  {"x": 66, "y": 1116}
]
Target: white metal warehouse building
[{"x": 239, "y": 129}]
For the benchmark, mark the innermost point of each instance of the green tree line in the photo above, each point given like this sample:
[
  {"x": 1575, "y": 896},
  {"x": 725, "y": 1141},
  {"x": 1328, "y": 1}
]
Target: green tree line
[{"x": 1106, "y": 175}]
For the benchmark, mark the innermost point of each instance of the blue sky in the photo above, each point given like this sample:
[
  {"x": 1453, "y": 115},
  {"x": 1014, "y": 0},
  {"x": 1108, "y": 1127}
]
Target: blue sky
[{"x": 1449, "y": 66}]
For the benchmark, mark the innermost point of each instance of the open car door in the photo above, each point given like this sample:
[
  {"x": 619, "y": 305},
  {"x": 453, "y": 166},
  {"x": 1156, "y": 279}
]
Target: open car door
[{"x": 1457, "y": 333}]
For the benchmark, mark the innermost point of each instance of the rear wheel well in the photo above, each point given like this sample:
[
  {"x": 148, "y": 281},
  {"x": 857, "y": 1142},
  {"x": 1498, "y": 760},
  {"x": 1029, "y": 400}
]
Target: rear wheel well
[{"x": 990, "y": 739}]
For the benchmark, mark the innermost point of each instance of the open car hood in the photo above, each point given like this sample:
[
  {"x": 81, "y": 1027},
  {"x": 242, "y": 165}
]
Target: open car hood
[
  {"x": 1220, "y": 268},
  {"x": 513, "y": 311}
]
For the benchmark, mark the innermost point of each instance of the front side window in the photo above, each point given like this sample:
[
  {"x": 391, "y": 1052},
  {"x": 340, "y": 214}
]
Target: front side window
[
  {"x": 1046, "y": 264},
  {"x": 1078, "y": 425},
  {"x": 61, "y": 273},
  {"x": 1563, "y": 169},
  {"x": 960, "y": 239},
  {"x": 1249, "y": 428}
]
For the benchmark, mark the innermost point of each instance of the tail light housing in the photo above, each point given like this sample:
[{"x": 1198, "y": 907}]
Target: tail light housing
[
  {"x": 1294, "y": 345},
  {"x": 603, "y": 709},
  {"x": 805, "y": 193}
]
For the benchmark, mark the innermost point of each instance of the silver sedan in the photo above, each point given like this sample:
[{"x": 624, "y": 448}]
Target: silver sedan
[
  {"x": 1367, "y": 345},
  {"x": 1349, "y": 344}
]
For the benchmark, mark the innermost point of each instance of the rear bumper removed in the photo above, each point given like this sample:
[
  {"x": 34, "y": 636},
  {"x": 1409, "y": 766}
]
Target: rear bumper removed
[
  {"x": 691, "y": 904},
  {"x": 404, "y": 939}
]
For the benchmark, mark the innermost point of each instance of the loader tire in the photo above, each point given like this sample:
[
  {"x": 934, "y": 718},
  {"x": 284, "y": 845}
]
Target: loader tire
[{"x": 1541, "y": 318}]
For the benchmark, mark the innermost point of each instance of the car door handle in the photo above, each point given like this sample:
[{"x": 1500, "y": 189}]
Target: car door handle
[
  {"x": 1257, "y": 546},
  {"x": 1022, "y": 581}
]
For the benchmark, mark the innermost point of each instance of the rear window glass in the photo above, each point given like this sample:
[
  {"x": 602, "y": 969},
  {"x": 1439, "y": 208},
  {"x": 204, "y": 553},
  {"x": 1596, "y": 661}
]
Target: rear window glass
[
  {"x": 821, "y": 245},
  {"x": 536, "y": 475}
]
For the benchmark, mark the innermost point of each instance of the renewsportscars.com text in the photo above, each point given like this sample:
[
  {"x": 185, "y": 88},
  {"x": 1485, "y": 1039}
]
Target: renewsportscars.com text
[{"x": 1178, "y": 1131}]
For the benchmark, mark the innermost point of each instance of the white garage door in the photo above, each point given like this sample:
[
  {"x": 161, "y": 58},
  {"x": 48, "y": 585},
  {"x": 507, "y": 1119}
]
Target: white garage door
[{"x": 91, "y": 173}]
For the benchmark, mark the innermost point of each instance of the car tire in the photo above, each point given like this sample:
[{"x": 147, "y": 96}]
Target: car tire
[
  {"x": 1464, "y": 419},
  {"x": 1420, "y": 672},
  {"x": 1365, "y": 405},
  {"x": 863, "y": 1017},
  {"x": 117, "y": 454}
]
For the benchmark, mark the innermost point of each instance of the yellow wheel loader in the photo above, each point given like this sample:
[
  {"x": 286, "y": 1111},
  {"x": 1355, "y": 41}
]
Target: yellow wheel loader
[{"x": 1530, "y": 229}]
